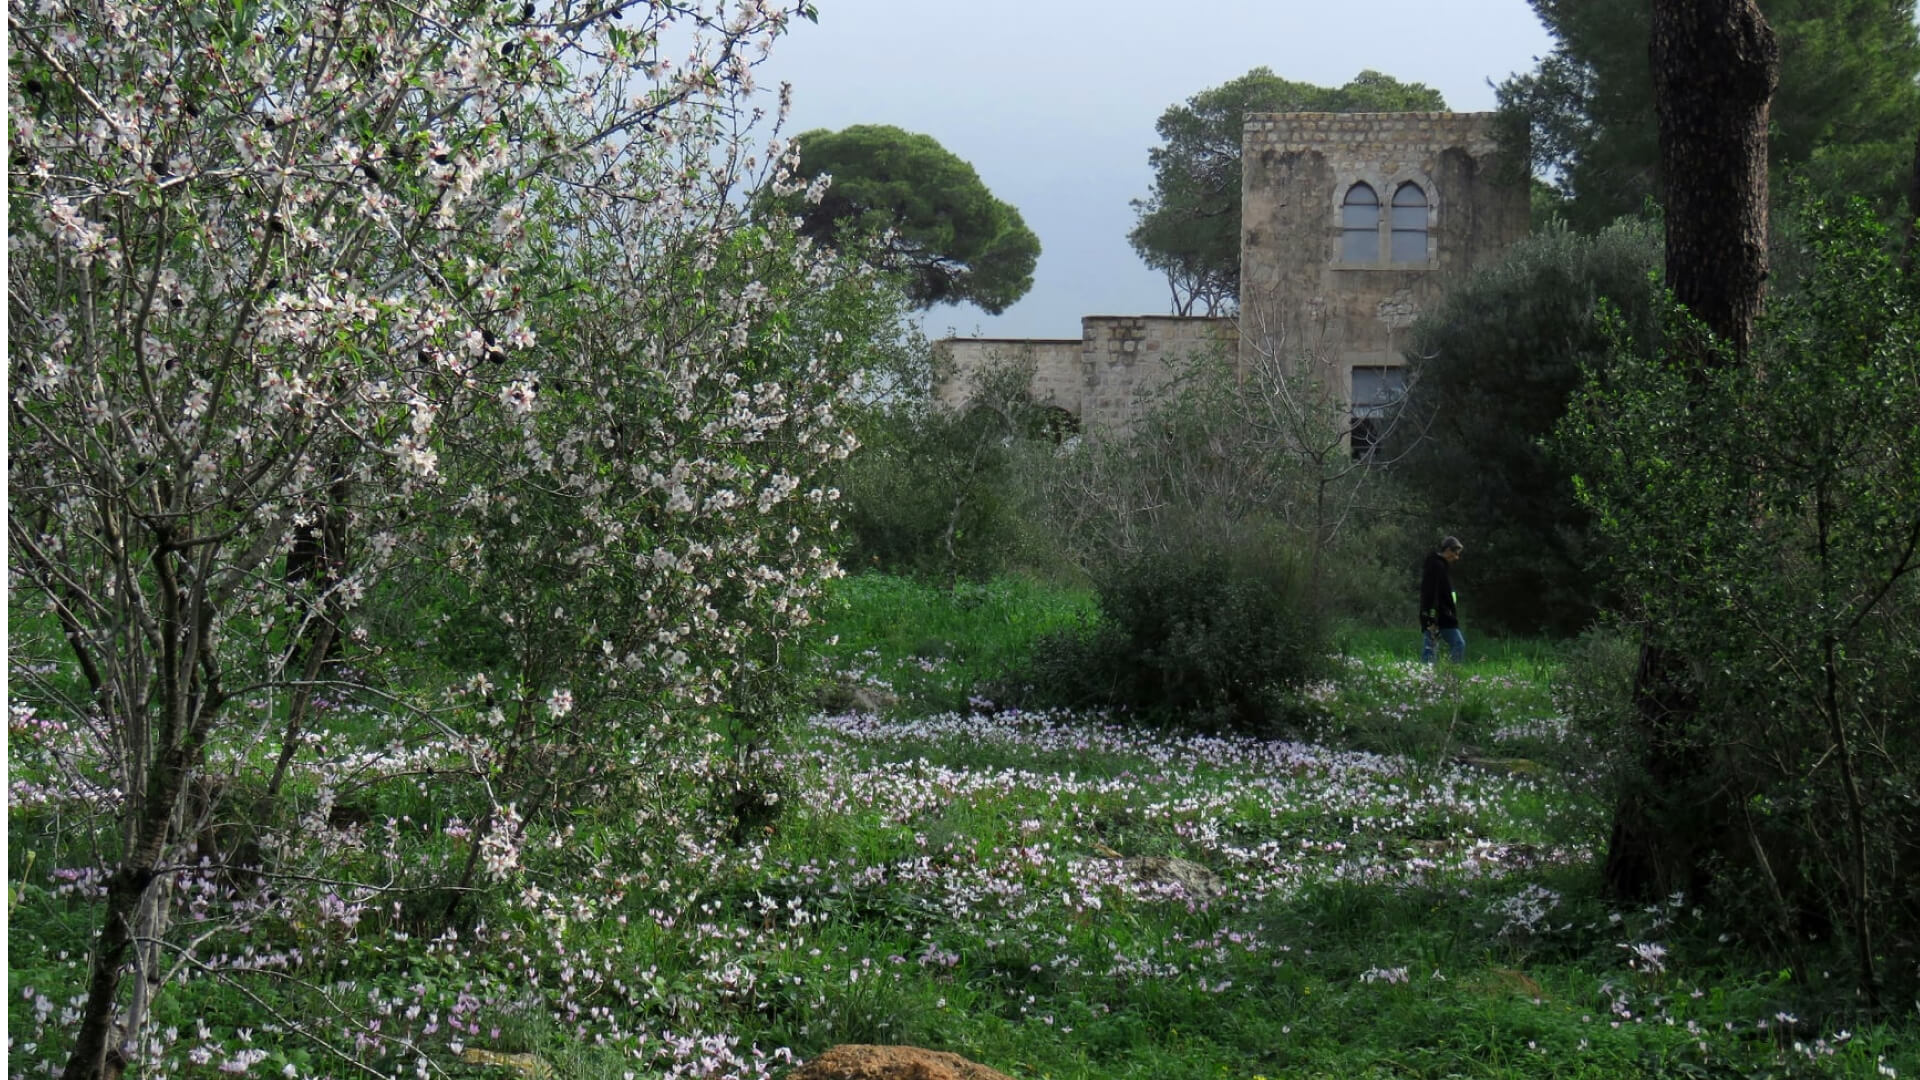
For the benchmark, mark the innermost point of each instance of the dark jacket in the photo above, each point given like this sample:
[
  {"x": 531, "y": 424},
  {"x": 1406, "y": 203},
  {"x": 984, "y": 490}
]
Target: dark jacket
[{"x": 1436, "y": 595}]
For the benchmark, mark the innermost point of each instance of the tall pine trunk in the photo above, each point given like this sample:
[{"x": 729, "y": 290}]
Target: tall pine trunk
[{"x": 1715, "y": 65}]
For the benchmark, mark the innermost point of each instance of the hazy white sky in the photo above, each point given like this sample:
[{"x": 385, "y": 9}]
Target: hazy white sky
[{"x": 1053, "y": 102}]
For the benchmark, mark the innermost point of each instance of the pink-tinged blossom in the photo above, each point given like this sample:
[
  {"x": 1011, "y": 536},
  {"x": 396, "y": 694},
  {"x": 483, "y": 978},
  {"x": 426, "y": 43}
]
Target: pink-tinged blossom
[
  {"x": 1385, "y": 975},
  {"x": 500, "y": 847},
  {"x": 518, "y": 397},
  {"x": 307, "y": 355},
  {"x": 1646, "y": 956}
]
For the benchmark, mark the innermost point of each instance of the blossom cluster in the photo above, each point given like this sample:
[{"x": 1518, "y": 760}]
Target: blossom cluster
[{"x": 317, "y": 304}]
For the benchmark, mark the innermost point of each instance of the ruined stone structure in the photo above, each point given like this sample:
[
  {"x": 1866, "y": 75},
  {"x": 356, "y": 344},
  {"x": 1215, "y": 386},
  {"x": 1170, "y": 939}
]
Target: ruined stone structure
[
  {"x": 1101, "y": 377},
  {"x": 1351, "y": 225}
]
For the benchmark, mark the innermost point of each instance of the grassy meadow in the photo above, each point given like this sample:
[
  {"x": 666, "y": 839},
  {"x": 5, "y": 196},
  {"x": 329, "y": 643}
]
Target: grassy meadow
[{"x": 1402, "y": 889}]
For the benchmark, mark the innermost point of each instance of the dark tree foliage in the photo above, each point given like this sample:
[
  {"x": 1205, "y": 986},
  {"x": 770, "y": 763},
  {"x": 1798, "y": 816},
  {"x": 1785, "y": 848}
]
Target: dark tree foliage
[
  {"x": 1763, "y": 519},
  {"x": 1913, "y": 209},
  {"x": 925, "y": 212},
  {"x": 1843, "y": 112},
  {"x": 1189, "y": 228},
  {"x": 1494, "y": 367}
]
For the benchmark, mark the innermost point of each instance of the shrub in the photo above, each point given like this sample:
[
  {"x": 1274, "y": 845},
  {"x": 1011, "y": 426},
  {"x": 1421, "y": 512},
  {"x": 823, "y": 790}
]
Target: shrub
[
  {"x": 1594, "y": 682},
  {"x": 1217, "y": 635},
  {"x": 1495, "y": 365},
  {"x": 941, "y": 491},
  {"x": 1765, "y": 516}
]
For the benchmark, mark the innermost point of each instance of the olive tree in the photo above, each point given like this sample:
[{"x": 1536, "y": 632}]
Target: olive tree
[{"x": 1765, "y": 516}]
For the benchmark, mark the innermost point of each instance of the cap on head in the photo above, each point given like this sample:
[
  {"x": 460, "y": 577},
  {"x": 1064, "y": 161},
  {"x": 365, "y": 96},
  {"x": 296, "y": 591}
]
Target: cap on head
[{"x": 1451, "y": 543}]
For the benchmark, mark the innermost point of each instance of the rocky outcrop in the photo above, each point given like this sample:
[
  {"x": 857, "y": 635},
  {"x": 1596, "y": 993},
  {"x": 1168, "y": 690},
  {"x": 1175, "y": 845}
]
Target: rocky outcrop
[
  {"x": 1189, "y": 877},
  {"x": 525, "y": 1064}
]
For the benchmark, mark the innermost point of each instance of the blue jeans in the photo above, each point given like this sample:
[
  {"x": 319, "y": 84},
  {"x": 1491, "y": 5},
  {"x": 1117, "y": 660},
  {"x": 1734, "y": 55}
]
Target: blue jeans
[{"x": 1456, "y": 641}]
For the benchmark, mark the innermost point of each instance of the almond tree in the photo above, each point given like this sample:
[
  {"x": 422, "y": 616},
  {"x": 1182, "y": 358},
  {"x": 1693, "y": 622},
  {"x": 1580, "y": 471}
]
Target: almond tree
[{"x": 271, "y": 265}]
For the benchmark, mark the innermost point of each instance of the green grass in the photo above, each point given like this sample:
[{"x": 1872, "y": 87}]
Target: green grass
[
  {"x": 1512, "y": 655},
  {"x": 1404, "y": 901},
  {"x": 934, "y": 646}
]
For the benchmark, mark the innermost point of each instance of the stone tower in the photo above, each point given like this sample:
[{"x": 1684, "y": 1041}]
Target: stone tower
[{"x": 1351, "y": 225}]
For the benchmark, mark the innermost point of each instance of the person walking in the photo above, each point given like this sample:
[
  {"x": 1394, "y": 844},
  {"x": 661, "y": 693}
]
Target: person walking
[{"x": 1438, "y": 617}]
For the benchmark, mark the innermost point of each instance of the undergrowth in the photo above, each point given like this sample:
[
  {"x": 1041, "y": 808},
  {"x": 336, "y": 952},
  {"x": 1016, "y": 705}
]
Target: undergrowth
[{"x": 1409, "y": 893}]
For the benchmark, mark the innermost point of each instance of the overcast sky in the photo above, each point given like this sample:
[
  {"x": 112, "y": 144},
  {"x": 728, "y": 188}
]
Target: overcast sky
[{"x": 1054, "y": 101}]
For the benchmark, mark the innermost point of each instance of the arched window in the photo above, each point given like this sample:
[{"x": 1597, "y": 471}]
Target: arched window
[
  {"x": 1360, "y": 226},
  {"x": 1058, "y": 425},
  {"x": 1409, "y": 219}
]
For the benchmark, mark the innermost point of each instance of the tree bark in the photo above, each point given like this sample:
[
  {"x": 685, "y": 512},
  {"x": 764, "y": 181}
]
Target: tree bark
[
  {"x": 186, "y": 697},
  {"x": 95, "y": 1054},
  {"x": 1715, "y": 66}
]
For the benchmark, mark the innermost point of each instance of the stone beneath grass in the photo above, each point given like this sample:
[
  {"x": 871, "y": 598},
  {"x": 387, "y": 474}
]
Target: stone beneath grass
[
  {"x": 1190, "y": 877},
  {"x": 851, "y": 1062},
  {"x": 1510, "y": 766},
  {"x": 872, "y": 699},
  {"x": 1196, "y": 880},
  {"x": 846, "y": 695},
  {"x": 525, "y": 1064}
]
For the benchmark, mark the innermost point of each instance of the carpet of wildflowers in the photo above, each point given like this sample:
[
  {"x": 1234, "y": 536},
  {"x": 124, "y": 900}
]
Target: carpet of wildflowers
[{"x": 1056, "y": 895}]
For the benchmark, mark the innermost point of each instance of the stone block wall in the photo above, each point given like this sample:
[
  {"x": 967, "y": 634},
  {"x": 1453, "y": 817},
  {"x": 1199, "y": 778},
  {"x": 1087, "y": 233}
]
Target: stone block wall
[
  {"x": 1300, "y": 300},
  {"x": 1055, "y": 363},
  {"x": 1103, "y": 378},
  {"x": 1298, "y": 293}
]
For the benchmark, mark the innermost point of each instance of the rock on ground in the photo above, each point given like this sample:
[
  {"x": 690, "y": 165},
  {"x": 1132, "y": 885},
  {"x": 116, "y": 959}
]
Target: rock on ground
[
  {"x": 1197, "y": 880},
  {"x": 852, "y": 1062}
]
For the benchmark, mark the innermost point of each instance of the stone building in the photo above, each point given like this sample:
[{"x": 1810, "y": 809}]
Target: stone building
[
  {"x": 1351, "y": 225},
  {"x": 1101, "y": 377}
]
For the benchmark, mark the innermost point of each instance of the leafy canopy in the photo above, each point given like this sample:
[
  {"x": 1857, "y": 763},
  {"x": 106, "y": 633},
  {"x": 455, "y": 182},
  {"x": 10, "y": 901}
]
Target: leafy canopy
[
  {"x": 1189, "y": 228},
  {"x": 1765, "y": 517},
  {"x": 1495, "y": 365},
  {"x": 923, "y": 210},
  {"x": 1843, "y": 113}
]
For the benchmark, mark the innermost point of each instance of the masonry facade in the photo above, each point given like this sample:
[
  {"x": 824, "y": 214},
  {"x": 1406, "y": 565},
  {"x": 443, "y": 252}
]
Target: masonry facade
[
  {"x": 1352, "y": 224},
  {"x": 1105, "y": 376}
]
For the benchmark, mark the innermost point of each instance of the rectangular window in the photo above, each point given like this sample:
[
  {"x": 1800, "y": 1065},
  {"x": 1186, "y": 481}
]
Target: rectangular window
[
  {"x": 1409, "y": 247},
  {"x": 1377, "y": 393},
  {"x": 1361, "y": 246}
]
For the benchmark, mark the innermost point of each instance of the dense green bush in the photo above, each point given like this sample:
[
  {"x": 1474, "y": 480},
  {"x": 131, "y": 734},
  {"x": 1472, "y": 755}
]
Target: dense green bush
[
  {"x": 945, "y": 492},
  {"x": 1216, "y": 635},
  {"x": 1764, "y": 513},
  {"x": 1234, "y": 448},
  {"x": 1593, "y": 684},
  {"x": 1494, "y": 366},
  {"x": 1371, "y": 577}
]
